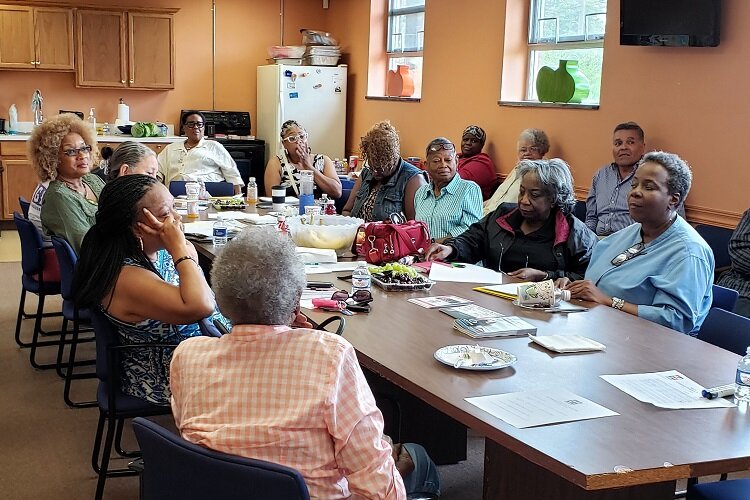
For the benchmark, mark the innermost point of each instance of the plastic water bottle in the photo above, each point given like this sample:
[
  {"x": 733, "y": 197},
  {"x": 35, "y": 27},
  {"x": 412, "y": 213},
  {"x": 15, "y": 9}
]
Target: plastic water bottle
[
  {"x": 361, "y": 278},
  {"x": 306, "y": 186},
  {"x": 252, "y": 192},
  {"x": 742, "y": 389},
  {"x": 92, "y": 120},
  {"x": 220, "y": 231}
]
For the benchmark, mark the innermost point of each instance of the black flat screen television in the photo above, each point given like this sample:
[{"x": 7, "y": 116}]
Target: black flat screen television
[{"x": 673, "y": 23}]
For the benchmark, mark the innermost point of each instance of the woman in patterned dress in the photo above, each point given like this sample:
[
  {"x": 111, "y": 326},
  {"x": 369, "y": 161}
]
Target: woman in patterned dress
[
  {"x": 295, "y": 156},
  {"x": 137, "y": 266}
]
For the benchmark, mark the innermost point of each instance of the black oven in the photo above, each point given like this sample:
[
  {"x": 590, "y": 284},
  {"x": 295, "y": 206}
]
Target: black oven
[{"x": 232, "y": 130}]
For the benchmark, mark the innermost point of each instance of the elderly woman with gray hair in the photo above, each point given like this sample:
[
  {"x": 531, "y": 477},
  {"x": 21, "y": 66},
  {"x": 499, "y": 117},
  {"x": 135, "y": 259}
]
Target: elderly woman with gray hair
[
  {"x": 658, "y": 268},
  {"x": 291, "y": 396},
  {"x": 538, "y": 238},
  {"x": 132, "y": 158}
]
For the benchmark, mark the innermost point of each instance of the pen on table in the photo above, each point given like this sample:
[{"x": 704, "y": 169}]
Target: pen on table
[{"x": 718, "y": 392}]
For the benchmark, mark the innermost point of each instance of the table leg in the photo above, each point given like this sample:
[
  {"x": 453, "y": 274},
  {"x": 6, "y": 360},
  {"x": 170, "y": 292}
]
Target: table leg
[{"x": 507, "y": 475}]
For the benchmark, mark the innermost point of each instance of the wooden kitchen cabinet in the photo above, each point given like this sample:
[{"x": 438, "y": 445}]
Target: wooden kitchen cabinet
[
  {"x": 36, "y": 38},
  {"x": 17, "y": 177},
  {"x": 141, "y": 57}
]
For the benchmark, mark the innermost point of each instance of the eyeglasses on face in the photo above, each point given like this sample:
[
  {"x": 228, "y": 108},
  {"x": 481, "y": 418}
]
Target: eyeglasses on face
[
  {"x": 628, "y": 254},
  {"x": 295, "y": 138},
  {"x": 76, "y": 151},
  {"x": 192, "y": 124},
  {"x": 360, "y": 296},
  {"x": 434, "y": 148},
  {"x": 530, "y": 149}
]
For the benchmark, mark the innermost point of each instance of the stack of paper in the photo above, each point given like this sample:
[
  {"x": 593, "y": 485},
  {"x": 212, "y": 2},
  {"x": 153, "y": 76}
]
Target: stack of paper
[
  {"x": 507, "y": 291},
  {"x": 465, "y": 273},
  {"x": 568, "y": 343},
  {"x": 471, "y": 311},
  {"x": 440, "y": 301},
  {"x": 506, "y": 326}
]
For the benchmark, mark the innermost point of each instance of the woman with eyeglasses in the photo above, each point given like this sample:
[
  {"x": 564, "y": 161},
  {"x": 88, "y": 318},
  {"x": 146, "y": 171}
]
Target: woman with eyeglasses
[
  {"x": 387, "y": 184},
  {"x": 196, "y": 158},
  {"x": 536, "y": 239},
  {"x": 62, "y": 150},
  {"x": 448, "y": 203},
  {"x": 473, "y": 165},
  {"x": 295, "y": 156},
  {"x": 131, "y": 158},
  {"x": 532, "y": 144},
  {"x": 658, "y": 268}
]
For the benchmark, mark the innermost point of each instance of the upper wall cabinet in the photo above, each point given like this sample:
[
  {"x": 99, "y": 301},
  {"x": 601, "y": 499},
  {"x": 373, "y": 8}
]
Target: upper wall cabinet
[
  {"x": 36, "y": 38},
  {"x": 125, "y": 49}
]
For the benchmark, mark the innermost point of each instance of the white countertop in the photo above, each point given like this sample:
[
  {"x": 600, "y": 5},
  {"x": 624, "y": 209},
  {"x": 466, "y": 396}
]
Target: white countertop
[{"x": 104, "y": 138}]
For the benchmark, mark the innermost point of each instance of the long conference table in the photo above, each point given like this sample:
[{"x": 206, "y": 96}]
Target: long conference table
[{"x": 637, "y": 455}]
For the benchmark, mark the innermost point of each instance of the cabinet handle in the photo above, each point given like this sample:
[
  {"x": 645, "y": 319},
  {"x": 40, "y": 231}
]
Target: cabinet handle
[
  {"x": 122, "y": 81},
  {"x": 32, "y": 62},
  {"x": 131, "y": 80},
  {"x": 38, "y": 62}
]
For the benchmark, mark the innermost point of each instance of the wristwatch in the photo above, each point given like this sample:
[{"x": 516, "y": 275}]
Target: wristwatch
[{"x": 617, "y": 303}]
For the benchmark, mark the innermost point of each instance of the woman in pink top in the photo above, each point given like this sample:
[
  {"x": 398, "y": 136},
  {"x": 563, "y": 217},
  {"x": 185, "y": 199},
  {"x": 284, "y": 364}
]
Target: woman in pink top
[{"x": 473, "y": 165}]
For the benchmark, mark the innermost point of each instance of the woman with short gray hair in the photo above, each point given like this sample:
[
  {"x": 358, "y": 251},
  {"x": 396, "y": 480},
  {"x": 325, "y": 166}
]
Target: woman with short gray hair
[
  {"x": 296, "y": 397},
  {"x": 532, "y": 144},
  {"x": 535, "y": 239},
  {"x": 132, "y": 158},
  {"x": 670, "y": 280}
]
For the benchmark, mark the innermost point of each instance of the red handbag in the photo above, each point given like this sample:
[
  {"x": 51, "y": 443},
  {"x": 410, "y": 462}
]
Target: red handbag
[{"x": 381, "y": 242}]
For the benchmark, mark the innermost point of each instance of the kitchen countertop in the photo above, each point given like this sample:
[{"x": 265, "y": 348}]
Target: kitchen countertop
[{"x": 105, "y": 138}]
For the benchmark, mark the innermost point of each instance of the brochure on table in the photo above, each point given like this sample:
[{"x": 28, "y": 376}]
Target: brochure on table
[
  {"x": 544, "y": 407},
  {"x": 670, "y": 389}
]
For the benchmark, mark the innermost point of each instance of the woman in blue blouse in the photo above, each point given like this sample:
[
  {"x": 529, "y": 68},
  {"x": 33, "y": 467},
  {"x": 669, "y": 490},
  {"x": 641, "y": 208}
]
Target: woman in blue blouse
[
  {"x": 448, "y": 204},
  {"x": 658, "y": 268},
  {"x": 137, "y": 266}
]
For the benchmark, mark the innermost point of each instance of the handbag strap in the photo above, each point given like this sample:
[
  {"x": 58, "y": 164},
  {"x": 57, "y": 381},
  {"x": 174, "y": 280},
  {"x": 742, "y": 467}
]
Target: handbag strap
[
  {"x": 405, "y": 237},
  {"x": 290, "y": 173}
]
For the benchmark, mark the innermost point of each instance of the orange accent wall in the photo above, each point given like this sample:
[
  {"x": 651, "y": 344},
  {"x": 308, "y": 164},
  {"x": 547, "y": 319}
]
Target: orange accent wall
[
  {"x": 244, "y": 30},
  {"x": 688, "y": 100}
]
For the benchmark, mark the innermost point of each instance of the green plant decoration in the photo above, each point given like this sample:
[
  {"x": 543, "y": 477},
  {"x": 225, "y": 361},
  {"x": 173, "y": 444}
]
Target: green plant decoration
[{"x": 565, "y": 84}]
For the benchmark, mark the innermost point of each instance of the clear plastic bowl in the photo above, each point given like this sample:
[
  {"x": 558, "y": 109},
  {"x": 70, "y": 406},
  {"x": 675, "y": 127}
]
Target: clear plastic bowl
[{"x": 335, "y": 232}]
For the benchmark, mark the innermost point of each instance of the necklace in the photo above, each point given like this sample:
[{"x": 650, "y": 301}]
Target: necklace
[
  {"x": 73, "y": 188},
  {"x": 188, "y": 148}
]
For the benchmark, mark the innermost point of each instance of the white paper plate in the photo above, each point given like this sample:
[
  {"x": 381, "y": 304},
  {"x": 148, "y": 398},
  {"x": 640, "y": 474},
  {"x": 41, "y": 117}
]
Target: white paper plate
[{"x": 451, "y": 354}]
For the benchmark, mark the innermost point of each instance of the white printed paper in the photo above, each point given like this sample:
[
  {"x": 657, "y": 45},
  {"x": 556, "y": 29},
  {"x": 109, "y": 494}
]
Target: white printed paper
[
  {"x": 206, "y": 227},
  {"x": 440, "y": 301},
  {"x": 544, "y": 407},
  {"x": 670, "y": 389},
  {"x": 568, "y": 343},
  {"x": 467, "y": 274},
  {"x": 332, "y": 267}
]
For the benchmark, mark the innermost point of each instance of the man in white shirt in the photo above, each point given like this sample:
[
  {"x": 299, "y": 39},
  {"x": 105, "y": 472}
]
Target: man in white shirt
[{"x": 196, "y": 158}]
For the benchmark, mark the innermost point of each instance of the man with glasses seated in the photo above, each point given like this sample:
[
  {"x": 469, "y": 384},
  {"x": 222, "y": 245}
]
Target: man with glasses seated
[
  {"x": 198, "y": 159},
  {"x": 295, "y": 156},
  {"x": 658, "y": 268},
  {"x": 448, "y": 204},
  {"x": 293, "y": 396}
]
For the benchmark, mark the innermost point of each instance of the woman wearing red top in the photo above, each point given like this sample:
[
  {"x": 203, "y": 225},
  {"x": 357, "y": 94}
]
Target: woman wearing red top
[{"x": 473, "y": 165}]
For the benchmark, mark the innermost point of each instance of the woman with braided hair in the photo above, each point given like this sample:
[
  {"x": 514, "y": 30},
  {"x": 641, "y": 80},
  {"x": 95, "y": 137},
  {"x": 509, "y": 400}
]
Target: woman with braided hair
[{"x": 136, "y": 250}]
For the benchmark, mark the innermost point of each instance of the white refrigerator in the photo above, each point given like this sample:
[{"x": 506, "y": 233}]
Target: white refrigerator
[{"x": 314, "y": 96}]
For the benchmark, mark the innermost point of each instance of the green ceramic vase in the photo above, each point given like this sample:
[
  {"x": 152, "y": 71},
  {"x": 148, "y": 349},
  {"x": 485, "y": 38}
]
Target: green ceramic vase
[{"x": 567, "y": 83}]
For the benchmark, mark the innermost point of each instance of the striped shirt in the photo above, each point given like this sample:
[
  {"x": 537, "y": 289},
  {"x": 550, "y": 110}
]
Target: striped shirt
[
  {"x": 607, "y": 204},
  {"x": 295, "y": 397},
  {"x": 450, "y": 214},
  {"x": 738, "y": 277}
]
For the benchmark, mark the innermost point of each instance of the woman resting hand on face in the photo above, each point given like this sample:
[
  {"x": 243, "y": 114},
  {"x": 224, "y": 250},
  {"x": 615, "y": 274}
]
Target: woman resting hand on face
[{"x": 295, "y": 156}]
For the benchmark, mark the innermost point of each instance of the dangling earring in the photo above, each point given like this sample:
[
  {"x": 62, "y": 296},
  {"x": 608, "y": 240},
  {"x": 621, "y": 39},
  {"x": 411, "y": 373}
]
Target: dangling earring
[{"x": 140, "y": 242}]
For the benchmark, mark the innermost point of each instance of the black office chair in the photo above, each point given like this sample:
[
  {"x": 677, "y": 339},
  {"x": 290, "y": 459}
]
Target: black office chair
[
  {"x": 736, "y": 489},
  {"x": 718, "y": 239},
  {"x": 724, "y": 298},
  {"x": 114, "y": 405},
  {"x": 80, "y": 318},
  {"x": 176, "y": 468},
  {"x": 177, "y": 188},
  {"x": 726, "y": 330},
  {"x": 580, "y": 210},
  {"x": 25, "y": 204},
  {"x": 37, "y": 279}
]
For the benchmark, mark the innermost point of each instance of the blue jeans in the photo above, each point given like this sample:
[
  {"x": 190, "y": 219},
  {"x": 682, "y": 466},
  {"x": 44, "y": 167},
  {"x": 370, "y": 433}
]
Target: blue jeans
[{"x": 424, "y": 478}]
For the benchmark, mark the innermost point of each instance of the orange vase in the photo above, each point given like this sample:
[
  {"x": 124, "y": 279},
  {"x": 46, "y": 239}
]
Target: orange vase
[{"x": 400, "y": 82}]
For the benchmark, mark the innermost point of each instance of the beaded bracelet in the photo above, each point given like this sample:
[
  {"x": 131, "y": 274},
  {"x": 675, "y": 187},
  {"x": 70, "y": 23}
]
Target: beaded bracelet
[{"x": 184, "y": 257}]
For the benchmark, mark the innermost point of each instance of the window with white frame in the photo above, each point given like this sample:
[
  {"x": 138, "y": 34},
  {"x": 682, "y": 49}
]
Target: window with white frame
[
  {"x": 567, "y": 29},
  {"x": 405, "y": 41}
]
